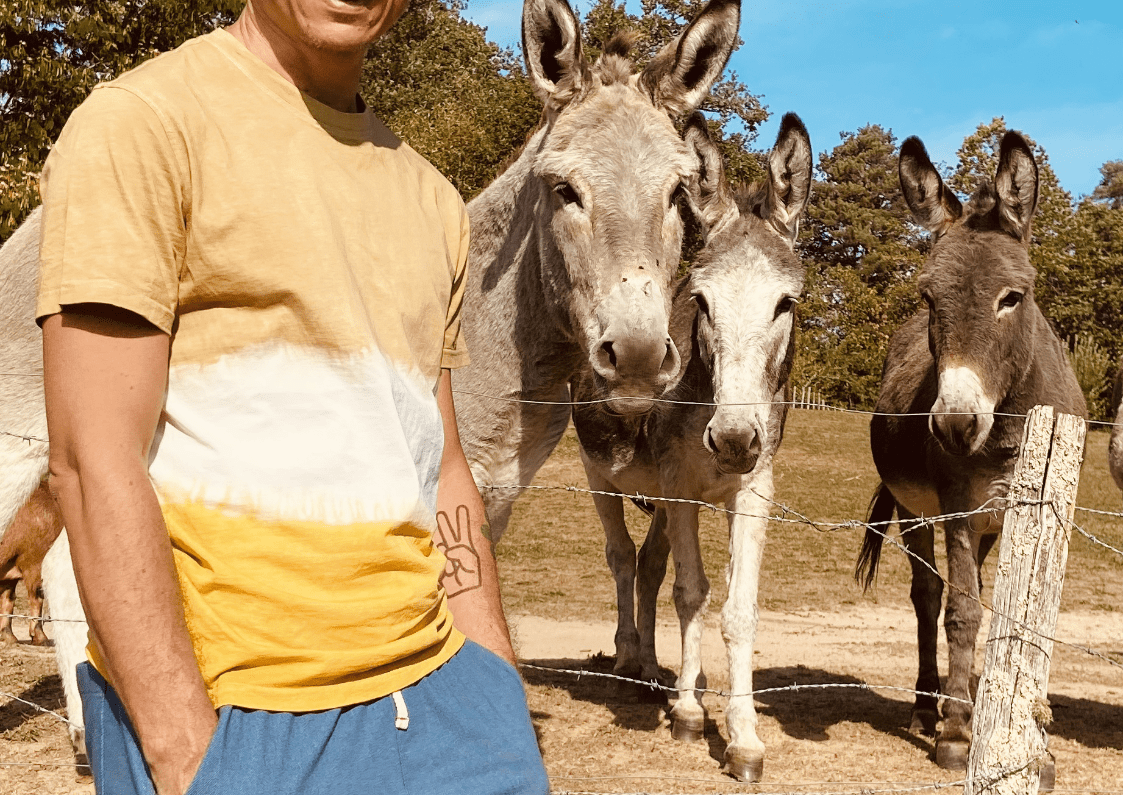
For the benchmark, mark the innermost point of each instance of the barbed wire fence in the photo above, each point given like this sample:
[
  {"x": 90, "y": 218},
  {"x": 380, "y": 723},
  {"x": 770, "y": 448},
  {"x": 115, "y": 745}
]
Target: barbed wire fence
[{"x": 784, "y": 513}]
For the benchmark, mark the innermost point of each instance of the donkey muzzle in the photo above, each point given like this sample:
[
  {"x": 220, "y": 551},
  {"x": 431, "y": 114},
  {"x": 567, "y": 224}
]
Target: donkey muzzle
[
  {"x": 634, "y": 355},
  {"x": 735, "y": 450}
]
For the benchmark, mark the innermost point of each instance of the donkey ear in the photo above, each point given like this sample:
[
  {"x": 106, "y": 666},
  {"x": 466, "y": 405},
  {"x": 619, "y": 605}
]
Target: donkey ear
[
  {"x": 680, "y": 76},
  {"x": 789, "y": 178},
  {"x": 709, "y": 195},
  {"x": 1016, "y": 186},
  {"x": 934, "y": 206},
  {"x": 552, "y": 49}
]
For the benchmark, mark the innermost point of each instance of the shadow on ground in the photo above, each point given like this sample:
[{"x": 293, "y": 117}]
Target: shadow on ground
[{"x": 47, "y": 693}]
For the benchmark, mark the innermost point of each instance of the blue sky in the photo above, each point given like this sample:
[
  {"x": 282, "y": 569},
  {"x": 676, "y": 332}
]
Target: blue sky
[{"x": 935, "y": 69}]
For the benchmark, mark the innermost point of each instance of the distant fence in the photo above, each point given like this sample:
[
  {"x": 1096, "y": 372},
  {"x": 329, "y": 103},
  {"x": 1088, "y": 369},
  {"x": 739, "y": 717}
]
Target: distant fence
[{"x": 809, "y": 397}]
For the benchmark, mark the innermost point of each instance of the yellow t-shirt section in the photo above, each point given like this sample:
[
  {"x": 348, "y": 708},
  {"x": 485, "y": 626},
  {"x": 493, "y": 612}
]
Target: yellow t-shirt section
[{"x": 310, "y": 269}]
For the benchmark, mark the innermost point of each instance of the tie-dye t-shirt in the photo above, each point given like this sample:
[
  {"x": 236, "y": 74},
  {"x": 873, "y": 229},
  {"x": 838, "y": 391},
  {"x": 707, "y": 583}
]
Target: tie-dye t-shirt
[{"x": 309, "y": 267}]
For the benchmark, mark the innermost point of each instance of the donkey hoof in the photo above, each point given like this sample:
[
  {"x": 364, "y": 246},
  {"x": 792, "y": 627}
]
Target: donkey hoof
[
  {"x": 744, "y": 767},
  {"x": 952, "y": 754},
  {"x": 688, "y": 730},
  {"x": 923, "y": 722},
  {"x": 1048, "y": 776}
]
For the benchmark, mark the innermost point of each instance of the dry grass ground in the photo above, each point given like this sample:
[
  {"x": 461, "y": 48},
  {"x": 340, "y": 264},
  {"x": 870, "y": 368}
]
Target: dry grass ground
[{"x": 816, "y": 627}]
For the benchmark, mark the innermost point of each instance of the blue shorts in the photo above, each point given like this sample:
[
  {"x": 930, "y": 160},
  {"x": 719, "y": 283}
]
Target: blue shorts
[{"x": 468, "y": 733}]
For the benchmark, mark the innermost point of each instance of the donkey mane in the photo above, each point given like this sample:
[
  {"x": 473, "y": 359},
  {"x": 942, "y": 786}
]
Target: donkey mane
[{"x": 615, "y": 64}]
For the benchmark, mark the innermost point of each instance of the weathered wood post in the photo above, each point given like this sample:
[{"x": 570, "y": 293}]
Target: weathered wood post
[{"x": 1008, "y": 747}]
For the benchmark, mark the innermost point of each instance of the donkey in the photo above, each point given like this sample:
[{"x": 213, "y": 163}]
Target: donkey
[
  {"x": 1115, "y": 445},
  {"x": 733, "y": 318},
  {"x": 23, "y": 448},
  {"x": 576, "y": 245},
  {"x": 22, "y": 549},
  {"x": 969, "y": 366}
]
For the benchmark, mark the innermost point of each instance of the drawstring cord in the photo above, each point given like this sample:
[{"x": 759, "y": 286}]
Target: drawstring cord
[{"x": 401, "y": 717}]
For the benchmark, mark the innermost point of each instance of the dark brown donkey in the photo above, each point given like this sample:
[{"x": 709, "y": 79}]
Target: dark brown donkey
[{"x": 968, "y": 367}]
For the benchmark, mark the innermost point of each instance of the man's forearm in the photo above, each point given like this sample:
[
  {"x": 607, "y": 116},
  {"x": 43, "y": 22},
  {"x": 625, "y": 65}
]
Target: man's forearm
[
  {"x": 130, "y": 593},
  {"x": 104, "y": 380},
  {"x": 470, "y": 577}
]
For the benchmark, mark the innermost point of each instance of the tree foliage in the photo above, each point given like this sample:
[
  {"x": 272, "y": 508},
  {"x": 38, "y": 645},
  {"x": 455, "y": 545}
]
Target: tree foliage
[
  {"x": 459, "y": 100},
  {"x": 862, "y": 254},
  {"x": 1110, "y": 188},
  {"x": 53, "y": 53}
]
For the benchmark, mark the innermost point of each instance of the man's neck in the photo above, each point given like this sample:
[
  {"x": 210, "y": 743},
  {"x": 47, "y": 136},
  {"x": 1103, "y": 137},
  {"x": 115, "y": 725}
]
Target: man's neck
[{"x": 328, "y": 76}]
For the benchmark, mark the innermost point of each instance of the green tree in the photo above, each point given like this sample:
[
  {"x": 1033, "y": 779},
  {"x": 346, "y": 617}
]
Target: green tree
[
  {"x": 1110, "y": 188},
  {"x": 863, "y": 255},
  {"x": 459, "y": 100},
  {"x": 732, "y": 108},
  {"x": 51, "y": 55}
]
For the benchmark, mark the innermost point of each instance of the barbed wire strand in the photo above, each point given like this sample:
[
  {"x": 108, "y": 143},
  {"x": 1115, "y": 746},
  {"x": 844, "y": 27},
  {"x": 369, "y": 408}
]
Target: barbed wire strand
[
  {"x": 989, "y": 781},
  {"x": 820, "y": 526},
  {"x": 579, "y": 673},
  {"x": 790, "y": 403},
  {"x": 39, "y": 708}
]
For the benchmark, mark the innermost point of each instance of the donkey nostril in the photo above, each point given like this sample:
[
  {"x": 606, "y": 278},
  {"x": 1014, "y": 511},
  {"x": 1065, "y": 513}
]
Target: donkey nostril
[
  {"x": 608, "y": 350},
  {"x": 755, "y": 446},
  {"x": 670, "y": 359}
]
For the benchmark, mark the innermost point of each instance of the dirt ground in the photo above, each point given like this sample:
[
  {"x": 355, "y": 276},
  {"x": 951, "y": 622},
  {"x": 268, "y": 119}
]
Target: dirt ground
[
  {"x": 596, "y": 738},
  {"x": 816, "y": 627}
]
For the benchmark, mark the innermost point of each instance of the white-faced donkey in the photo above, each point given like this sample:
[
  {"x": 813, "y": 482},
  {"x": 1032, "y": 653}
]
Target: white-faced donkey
[
  {"x": 715, "y": 439},
  {"x": 963, "y": 371}
]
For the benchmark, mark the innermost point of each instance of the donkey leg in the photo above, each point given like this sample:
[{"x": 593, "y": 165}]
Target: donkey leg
[
  {"x": 620, "y": 551},
  {"x": 927, "y": 596},
  {"x": 652, "y": 569},
  {"x": 7, "y": 607},
  {"x": 70, "y": 630},
  {"x": 744, "y": 757},
  {"x": 692, "y": 596},
  {"x": 961, "y": 624},
  {"x": 33, "y": 581}
]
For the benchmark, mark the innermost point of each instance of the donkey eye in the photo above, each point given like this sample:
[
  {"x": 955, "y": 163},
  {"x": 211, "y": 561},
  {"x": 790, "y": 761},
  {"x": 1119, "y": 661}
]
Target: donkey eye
[
  {"x": 1010, "y": 300},
  {"x": 567, "y": 193},
  {"x": 703, "y": 307},
  {"x": 787, "y": 304}
]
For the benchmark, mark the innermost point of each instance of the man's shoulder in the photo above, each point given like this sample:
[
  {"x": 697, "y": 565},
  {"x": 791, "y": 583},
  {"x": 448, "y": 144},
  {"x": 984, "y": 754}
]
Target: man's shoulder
[
  {"x": 186, "y": 68},
  {"x": 445, "y": 192}
]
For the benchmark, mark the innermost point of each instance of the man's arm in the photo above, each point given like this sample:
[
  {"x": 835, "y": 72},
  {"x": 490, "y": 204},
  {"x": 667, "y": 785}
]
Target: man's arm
[
  {"x": 105, "y": 373},
  {"x": 470, "y": 577}
]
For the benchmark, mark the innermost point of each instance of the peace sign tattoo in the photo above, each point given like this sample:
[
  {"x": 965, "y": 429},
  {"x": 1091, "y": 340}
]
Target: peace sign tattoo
[{"x": 462, "y": 562}]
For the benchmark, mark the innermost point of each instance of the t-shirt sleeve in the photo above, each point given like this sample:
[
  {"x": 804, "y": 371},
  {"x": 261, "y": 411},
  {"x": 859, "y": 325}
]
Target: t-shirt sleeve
[
  {"x": 114, "y": 228},
  {"x": 455, "y": 353}
]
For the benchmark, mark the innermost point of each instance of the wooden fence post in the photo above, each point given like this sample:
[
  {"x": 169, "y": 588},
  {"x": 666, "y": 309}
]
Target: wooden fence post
[{"x": 1008, "y": 745}]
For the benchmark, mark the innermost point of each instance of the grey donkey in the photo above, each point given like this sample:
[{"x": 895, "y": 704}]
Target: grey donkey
[
  {"x": 733, "y": 319},
  {"x": 23, "y": 450},
  {"x": 969, "y": 365},
  {"x": 576, "y": 245}
]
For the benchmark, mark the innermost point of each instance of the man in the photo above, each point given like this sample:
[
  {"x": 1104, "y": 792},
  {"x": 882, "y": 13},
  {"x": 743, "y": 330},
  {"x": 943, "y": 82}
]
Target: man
[{"x": 250, "y": 299}]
